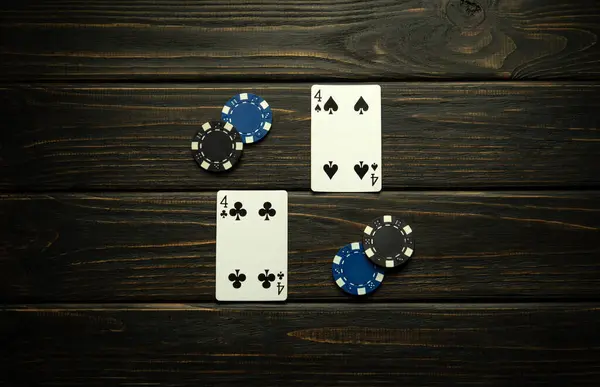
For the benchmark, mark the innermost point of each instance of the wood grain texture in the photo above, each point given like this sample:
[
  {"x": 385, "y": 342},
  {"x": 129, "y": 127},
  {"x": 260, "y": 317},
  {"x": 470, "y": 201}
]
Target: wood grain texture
[
  {"x": 298, "y": 40},
  {"x": 153, "y": 247},
  {"x": 439, "y": 135},
  {"x": 108, "y": 236},
  {"x": 302, "y": 345}
]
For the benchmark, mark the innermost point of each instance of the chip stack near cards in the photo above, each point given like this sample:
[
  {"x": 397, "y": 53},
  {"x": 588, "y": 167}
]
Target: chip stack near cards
[
  {"x": 359, "y": 268},
  {"x": 252, "y": 246},
  {"x": 345, "y": 136},
  {"x": 245, "y": 119}
]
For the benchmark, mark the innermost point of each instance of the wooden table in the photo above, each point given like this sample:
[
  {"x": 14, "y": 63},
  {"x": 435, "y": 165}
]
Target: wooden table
[{"x": 491, "y": 149}]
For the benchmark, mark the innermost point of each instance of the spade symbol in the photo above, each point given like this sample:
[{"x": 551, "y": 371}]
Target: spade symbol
[
  {"x": 361, "y": 105},
  {"x": 330, "y": 169},
  {"x": 361, "y": 169},
  {"x": 330, "y": 105},
  {"x": 317, "y": 108}
]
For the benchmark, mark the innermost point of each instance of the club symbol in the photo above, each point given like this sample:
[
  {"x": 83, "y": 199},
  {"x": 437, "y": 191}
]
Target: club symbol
[
  {"x": 280, "y": 275},
  {"x": 374, "y": 166},
  {"x": 238, "y": 211},
  {"x": 361, "y": 169},
  {"x": 330, "y": 169},
  {"x": 317, "y": 108},
  {"x": 267, "y": 210},
  {"x": 266, "y": 279},
  {"x": 237, "y": 278},
  {"x": 223, "y": 214}
]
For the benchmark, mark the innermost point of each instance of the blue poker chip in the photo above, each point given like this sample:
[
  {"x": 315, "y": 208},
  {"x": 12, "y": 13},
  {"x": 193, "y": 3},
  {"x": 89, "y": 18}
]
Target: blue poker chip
[
  {"x": 354, "y": 272},
  {"x": 250, "y": 114}
]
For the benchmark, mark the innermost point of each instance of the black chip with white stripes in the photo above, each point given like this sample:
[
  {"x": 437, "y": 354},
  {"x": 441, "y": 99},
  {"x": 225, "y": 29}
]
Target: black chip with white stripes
[
  {"x": 388, "y": 241},
  {"x": 217, "y": 147}
]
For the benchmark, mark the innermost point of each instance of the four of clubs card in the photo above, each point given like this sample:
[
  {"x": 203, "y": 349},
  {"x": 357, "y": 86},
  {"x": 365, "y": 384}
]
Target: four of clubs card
[
  {"x": 345, "y": 138},
  {"x": 252, "y": 246}
]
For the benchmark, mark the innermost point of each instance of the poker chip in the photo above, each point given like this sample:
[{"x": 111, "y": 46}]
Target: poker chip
[
  {"x": 217, "y": 147},
  {"x": 250, "y": 114},
  {"x": 353, "y": 272},
  {"x": 388, "y": 241}
]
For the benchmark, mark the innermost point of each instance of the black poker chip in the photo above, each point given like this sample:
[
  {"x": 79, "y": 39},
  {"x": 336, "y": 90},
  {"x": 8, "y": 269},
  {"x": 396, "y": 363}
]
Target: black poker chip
[
  {"x": 217, "y": 147},
  {"x": 388, "y": 241}
]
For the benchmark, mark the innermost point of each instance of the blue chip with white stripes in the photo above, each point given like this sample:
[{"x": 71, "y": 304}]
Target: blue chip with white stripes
[
  {"x": 354, "y": 272},
  {"x": 250, "y": 114}
]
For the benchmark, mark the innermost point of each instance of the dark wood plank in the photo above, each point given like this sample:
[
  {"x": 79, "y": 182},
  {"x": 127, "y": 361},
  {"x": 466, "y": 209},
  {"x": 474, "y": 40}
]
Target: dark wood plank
[
  {"x": 298, "y": 40},
  {"x": 160, "y": 247},
  {"x": 302, "y": 345},
  {"x": 136, "y": 137}
]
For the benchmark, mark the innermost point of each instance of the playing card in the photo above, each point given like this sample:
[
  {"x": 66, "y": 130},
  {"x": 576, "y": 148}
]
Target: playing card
[
  {"x": 252, "y": 246},
  {"x": 346, "y": 138}
]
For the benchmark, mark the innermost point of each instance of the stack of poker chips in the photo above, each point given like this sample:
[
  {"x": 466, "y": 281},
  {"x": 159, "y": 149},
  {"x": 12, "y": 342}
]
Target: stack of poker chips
[
  {"x": 358, "y": 268},
  {"x": 245, "y": 119}
]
